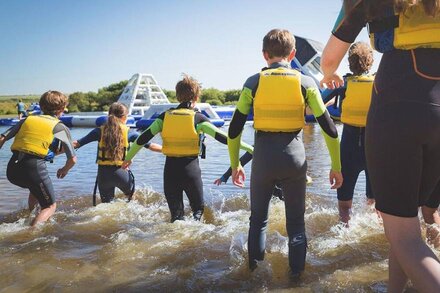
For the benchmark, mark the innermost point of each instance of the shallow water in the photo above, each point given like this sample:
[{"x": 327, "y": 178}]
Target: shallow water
[{"x": 132, "y": 247}]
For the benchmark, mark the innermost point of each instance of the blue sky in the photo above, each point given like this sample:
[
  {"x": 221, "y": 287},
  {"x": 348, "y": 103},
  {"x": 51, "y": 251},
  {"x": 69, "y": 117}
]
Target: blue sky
[{"x": 82, "y": 45}]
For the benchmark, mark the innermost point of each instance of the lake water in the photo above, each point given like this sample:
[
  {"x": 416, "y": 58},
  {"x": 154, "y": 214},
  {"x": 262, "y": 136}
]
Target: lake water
[{"x": 122, "y": 247}]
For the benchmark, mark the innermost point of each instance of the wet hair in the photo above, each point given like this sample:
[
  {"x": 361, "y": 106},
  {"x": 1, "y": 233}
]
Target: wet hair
[
  {"x": 360, "y": 58},
  {"x": 112, "y": 135},
  {"x": 278, "y": 43},
  {"x": 374, "y": 8},
  {"x": 188, "y": 89},
  {"x": 51, "y": 102}
]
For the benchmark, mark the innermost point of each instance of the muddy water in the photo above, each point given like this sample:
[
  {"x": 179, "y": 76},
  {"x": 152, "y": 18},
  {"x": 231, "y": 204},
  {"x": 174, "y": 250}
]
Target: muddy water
[{"x": 132, "y": 247}]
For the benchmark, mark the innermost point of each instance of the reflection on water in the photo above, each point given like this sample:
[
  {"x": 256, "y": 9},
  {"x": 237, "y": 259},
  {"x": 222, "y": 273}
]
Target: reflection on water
[{"x": 132, "y": 247}]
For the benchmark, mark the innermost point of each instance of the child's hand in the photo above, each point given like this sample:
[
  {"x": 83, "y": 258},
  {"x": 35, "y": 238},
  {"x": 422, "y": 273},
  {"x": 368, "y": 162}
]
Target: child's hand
[
  {"x": 61, "y": 173},
  {"x": 238, "y": 177},
  {"x": 126, "y": 164},
  {"x": 220, "y": 180},
  {"x": 335, "y": 179},
  {"x": 76, "y": 144},
  {"x": 2, "y": 140},
  {"x": 332, "y": 81}
]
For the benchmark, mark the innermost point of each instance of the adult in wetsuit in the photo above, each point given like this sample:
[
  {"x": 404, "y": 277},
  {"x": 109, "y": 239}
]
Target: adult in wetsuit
[
  {"x": 278, "y": 95},
  {"x": 181, "y": 129},
  {"x": 110, "y": 174},
  {"x": 403, "y": 124},
  {"x": 37, "y": 140}
]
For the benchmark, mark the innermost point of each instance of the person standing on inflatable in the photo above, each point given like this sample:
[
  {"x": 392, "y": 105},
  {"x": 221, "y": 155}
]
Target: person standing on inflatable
[
  {"x": 403, "y": 124},
  {"x": 114, "y": 138},
  {"x": 37, "y": 141},
  {"x": 181, "y": 129},
  {"x": 278, "y": 95},
  {"x": 355, "y": 99},
  {"x": 21, "y": 109}
]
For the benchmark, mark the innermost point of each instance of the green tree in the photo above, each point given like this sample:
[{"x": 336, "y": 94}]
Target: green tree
[
  {"x": 232, "y": 95},
  {"x": 171, "y": 95},
  {"x": 212, "y": 94}
]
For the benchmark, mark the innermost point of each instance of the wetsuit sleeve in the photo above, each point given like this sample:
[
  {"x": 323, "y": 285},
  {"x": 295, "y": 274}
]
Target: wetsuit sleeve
[
  {"x": 145, "y": 137},
  {"x": 133, "y": 135},
  {"x": 350, "y": 23},
  {"x": 62, "y": 133},
  {"x": 94, "y": 135},
  {"x": 11, "y": 132},
  {"x": 246, "y": 158},
  {"x": 237, "y": 123},
  {"x": 220, "y": 136},
  {"x": 328, "y": 128}
]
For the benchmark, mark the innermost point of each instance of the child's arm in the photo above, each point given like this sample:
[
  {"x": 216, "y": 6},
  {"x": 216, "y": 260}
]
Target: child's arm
[
  {"x": 143, "y": 139},
  {"x": 246, "y": 158},
  {"x": 10, "y": 133},
  {"x": 220, "y": 136},
  {"x": 234, "y": 134},
  {"x": 154, "y": 147},
  {"x": 62, "y": 133},
  {"x": 93, "y": 135},
  {"x": 328, "y": 129}
]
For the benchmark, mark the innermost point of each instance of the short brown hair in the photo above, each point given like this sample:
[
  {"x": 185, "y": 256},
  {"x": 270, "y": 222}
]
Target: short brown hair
[
  {"x": 52, "y": 102},
  {"x": 188, "y": 89},
  {"x": 360, "y": 58},
  {"x": 278, "y": 43}
]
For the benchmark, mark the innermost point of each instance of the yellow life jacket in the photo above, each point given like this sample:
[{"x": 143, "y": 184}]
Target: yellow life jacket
[
  {"x": 35, "y": 135},
  {"x": 104, "y": 157},
  {"x": 408, "y": 30},
  {"x": 179, "y": 135},
  {"x": 278, "y": 102},
  {"x": 357, "y": 100}
]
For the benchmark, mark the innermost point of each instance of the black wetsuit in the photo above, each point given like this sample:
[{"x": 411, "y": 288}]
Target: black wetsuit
[
  {"x": 110, "y": 177},
  {"x": 30, "y": 171},
  {"x": 353, "y": 159},
  {"x": 182, "y": 174},
  {"x": 403, "y": 124}
]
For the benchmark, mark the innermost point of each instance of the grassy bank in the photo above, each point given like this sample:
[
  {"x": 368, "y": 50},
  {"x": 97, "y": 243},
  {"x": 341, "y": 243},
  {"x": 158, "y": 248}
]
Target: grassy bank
[{"x": 8, "y": 103}]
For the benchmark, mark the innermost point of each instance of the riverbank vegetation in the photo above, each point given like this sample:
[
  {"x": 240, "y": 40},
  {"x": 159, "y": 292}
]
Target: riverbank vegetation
[
  {"x": 100, "y": 101},
  {"x": 8, "y": 104}
]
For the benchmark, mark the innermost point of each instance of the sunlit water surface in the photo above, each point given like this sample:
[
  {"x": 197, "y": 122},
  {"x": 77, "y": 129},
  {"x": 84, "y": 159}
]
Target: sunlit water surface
[{"x": 133, "y": 247}]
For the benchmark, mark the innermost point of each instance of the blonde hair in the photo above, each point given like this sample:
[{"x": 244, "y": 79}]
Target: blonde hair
[
  {"x": 360, "y": 58},
  {"x": 278, "y": 43},
  {"x": 188, "y": 89},
  {"x": 52, "y": 102},
  {"x": 112, "y": 135}
]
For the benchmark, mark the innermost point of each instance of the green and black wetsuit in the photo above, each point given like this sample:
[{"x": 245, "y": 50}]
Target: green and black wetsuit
[
  {"x": 279, "y": 157},
  {"x": 182, "y": 173}
]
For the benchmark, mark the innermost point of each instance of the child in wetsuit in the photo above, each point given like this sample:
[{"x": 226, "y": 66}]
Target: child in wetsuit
[
  {"x": 35, "y": 143},
  {"x": 181, "y": 128},
  {"x": 355, "y": 99},
  {"x": 114, "y": 138},
  {"x": 278, "y": 95}
]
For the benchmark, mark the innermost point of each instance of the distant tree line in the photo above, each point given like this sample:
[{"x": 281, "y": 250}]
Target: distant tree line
[{"x": 101, "y": 100}]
